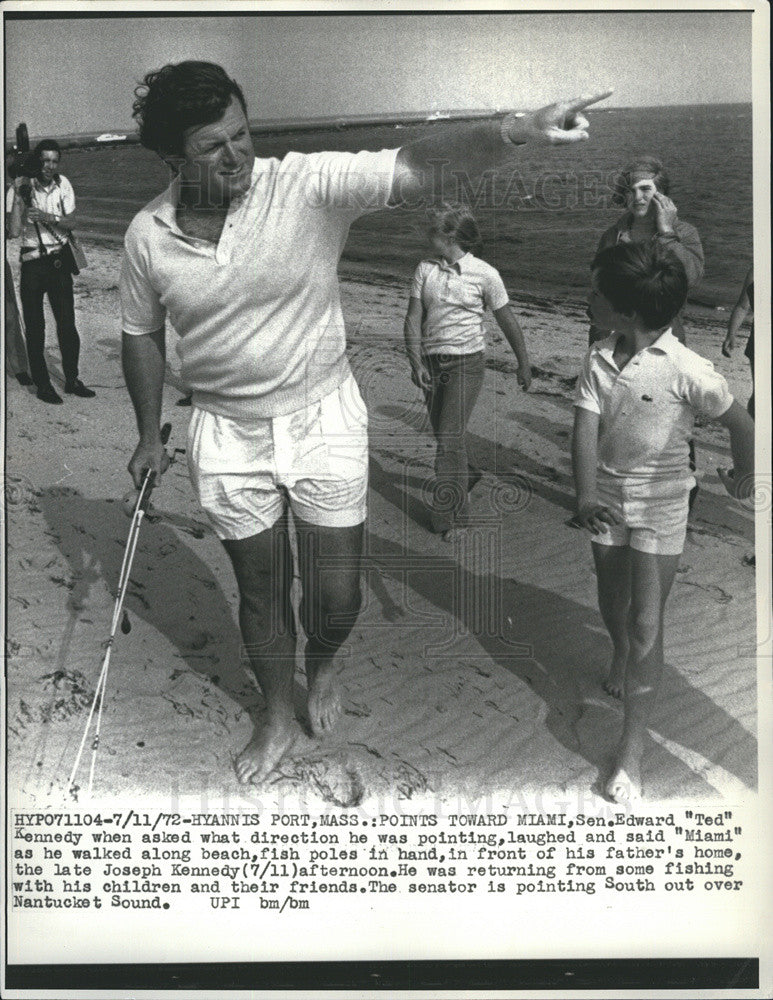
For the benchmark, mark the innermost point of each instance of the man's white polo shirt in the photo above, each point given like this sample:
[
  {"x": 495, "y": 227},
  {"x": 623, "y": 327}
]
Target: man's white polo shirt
[
  {"x": 455, "y": 298},
  {"x": 647, "y": 410},
  {"x": 259, "y": 315}
]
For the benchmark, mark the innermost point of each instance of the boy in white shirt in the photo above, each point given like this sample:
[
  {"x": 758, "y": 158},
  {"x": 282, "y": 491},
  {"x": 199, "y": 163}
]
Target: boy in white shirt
[{"x": 636, "y": 401}]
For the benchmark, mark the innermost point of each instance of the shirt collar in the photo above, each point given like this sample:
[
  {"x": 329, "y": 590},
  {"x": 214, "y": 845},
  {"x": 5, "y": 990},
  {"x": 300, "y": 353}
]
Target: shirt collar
[
  {"x": 55, "y": 182},
  {"x": 166, "y": 209},
  {"x": 665, "y": 344},
  {"x": 458, "y": 265}
]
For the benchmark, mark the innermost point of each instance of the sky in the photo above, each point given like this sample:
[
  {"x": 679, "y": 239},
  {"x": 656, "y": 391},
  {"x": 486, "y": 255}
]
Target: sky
[{"x": 77, "y": 75}]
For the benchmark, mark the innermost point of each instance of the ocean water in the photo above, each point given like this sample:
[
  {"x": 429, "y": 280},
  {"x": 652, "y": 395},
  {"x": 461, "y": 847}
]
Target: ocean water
[{"x": 541, "y": 215}]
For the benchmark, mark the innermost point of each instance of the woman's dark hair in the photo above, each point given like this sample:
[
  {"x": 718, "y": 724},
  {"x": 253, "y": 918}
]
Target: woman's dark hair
[
  {"x": 180, "y": 96},
  {"x": 642, "y": 278},
  {"x": 642, "y": 165},
  {"x": 34, "y": 162},
  {"x": 457, "y": 222}
]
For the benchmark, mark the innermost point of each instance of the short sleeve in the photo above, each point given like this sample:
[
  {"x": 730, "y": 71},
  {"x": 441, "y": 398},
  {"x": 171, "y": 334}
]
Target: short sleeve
[
  {"x": 68, "y": 196},
  {"x": 494, "y": 292},
  {"x": 352, "y": 183},
  {"x": 704, "y": 389},
  {"x": 141, "y": 309},
  {"x": 417, "y": 285},
  {"x": 586, "y": 392}
]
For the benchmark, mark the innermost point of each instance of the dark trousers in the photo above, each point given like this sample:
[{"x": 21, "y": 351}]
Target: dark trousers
[
  {"x": 41, "y": 277},
  {"x": 456, "y": 384}
]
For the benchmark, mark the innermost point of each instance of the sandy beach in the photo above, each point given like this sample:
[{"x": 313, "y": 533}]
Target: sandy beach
[{"x": 475, "y": 668}]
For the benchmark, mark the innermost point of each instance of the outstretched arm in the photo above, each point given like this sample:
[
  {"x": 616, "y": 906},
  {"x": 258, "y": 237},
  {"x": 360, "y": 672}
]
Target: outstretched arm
[
  {"x": 143, "y": 359},
  {"x": 738, "y": 315},
  {"x": 511, "y": 328},
  {"x": 479, "y": 146}
]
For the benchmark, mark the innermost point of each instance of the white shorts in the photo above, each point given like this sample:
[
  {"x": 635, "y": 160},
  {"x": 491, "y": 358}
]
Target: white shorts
[
  {"x": 316, "y": 457},
  {"x": 653, "y": 516}
]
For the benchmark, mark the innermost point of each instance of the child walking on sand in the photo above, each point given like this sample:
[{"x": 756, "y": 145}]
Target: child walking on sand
[
  {"x": 444, "y": 338},
  {"x": 636, "y": 401}
]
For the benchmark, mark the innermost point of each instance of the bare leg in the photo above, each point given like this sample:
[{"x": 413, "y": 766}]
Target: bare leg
[
  {"x": 613, "y": 576},
  {"x": 329, "y": 561},
  {"x": 652, "y": 577},
  {"x": 263, "y": 567}
]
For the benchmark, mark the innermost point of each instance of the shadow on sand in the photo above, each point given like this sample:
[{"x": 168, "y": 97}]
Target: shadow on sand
[{"x": 565, "y": 642}]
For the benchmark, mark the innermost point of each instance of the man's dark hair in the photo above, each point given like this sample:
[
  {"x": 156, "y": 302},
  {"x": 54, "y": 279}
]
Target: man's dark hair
[
  {"x": 180, "y": 96},
  {"x": 642, "y": 278}
]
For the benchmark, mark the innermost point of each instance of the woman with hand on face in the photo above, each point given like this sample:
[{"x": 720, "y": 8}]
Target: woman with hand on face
[{"x": 650, "y": 216}]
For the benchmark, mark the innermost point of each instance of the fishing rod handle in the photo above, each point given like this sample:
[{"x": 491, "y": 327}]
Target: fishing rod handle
[{"x": 166, "y": 430}]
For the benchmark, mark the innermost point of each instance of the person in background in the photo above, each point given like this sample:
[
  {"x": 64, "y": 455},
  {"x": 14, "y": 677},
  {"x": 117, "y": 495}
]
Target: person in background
[
  {"x": 651, "y": 216},
  {"x": 41, "y": 210},
  {"x": 636, "y": 401},
  {"x": 741, "y": 310},
  {"x": 444, "y": 338}
]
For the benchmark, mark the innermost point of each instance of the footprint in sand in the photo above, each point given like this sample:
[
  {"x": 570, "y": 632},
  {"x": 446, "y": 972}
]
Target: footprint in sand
[
  {"x": 333, "y": 777},
  {"x": 359, "y": 709}
]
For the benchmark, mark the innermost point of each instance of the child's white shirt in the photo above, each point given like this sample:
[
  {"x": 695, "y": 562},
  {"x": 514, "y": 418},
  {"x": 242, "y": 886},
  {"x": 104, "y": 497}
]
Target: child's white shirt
[
  {"x": 455, "y": 298},
  {"x": 647, "y": 410}
]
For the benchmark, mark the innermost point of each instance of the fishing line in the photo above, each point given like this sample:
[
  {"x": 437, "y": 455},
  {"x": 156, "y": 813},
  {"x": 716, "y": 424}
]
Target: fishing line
[{"x": 140, "y": 509}]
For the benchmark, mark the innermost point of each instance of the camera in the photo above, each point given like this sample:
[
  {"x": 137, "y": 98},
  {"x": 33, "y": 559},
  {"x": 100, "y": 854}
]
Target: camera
[{"x": 21, "y": 163}]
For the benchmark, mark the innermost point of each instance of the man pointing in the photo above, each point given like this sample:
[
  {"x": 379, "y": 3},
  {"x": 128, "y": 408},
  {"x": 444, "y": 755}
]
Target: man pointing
[{"x": 241, "y": 255}]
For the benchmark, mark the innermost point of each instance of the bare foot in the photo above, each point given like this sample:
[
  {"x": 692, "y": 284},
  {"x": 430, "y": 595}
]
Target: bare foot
[
  {"x": 615, "y": 681},
  {"x": 624, "y": 787},
  {"x": 264, "y": 751},
  {"x": 325, "y": 706}
]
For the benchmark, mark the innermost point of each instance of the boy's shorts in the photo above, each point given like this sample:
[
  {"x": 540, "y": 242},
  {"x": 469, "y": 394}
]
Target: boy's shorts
[
  {"x": 316, "y": 457},
  {"x": 653, "y": 516}
]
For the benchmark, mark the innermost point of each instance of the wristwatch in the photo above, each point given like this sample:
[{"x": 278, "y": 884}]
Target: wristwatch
[{"x": 503, "y": 128}]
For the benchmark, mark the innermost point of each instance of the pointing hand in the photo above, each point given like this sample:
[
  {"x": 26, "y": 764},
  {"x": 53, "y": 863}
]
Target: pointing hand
[{"x": 557, "y": 123}]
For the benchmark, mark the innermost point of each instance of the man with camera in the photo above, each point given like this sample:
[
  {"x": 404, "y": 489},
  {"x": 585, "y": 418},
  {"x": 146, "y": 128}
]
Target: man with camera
[{"x": 41, "y": 207}]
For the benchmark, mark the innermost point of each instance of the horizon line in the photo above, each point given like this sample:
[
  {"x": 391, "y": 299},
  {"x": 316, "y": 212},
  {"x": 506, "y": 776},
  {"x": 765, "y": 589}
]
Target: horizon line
[{"x": 287, "y": 124}]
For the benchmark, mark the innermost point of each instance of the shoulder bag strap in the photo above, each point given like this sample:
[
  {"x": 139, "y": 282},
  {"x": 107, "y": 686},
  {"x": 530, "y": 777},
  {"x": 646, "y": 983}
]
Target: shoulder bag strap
[
  {"x": 41, "y": 244},
  {"x": 56, "y": 235}
]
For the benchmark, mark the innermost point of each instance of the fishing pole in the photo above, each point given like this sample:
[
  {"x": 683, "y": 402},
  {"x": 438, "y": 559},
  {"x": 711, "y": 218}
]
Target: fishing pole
[{"x": 140, "y": 510}]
